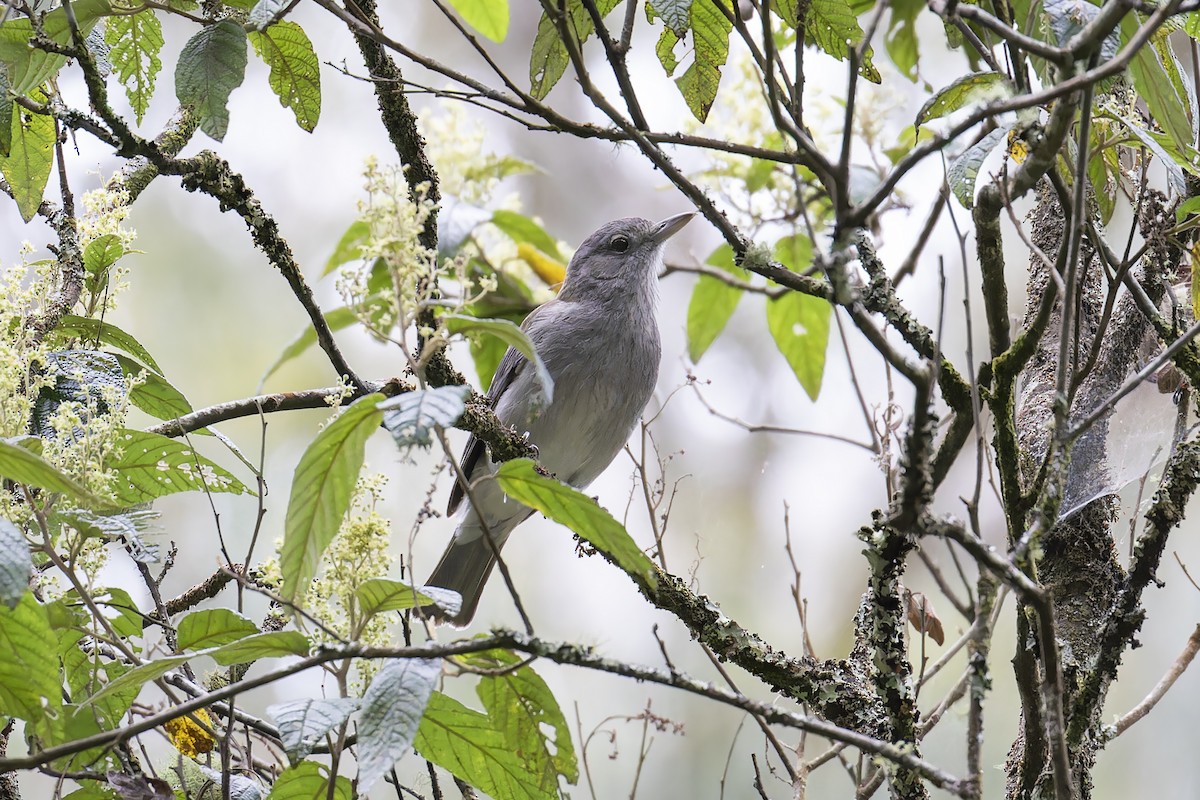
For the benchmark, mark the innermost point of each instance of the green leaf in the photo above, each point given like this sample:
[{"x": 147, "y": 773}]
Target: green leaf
[
  {"x": 901, "y": 38},
  {"x": 135, "y": 41},
  {"x": 30, "y": 687},
  {"x": 712, "y": 304},
  {"x": 378, "y": 595},
  {"x": 16, "y": 564},
  {"x": 30, "y": 67},
  {"x": 489, "y": 17},
  {"x": 523, "y": 708},
  {"x": 976, "y": 87},
  {"x": 6, "y": 115},
  {"x": 799, "y": 323},
  {"x": 832, "y": 26},
  {"x": 211, "y": 65},
  {"x": 321, "y": 491},
  {"x": 548, "y": 58},
  {"x": 964, "y": 169},
  {"x": 30, "y": 155},
  {"x": 391, "y": 711},
  {"x": 710, "y": 46},
  {"x": 520, "y": 229},
  {"x": 510, "y": 334},
  {"x": 466, "y": 744},
  {"x": 349, "y": 247},
  {"x": 153, "y": 393},
  {"x": 1158, "y": 79},
  {"x": 211, "y": 627},
  {"x": 1175, "y": 177},
  {"x": 273, "y": 644},
  {"x": 19, "y": 465},
  {"x": 137, "y": 677},
  {"x": 578, "y": 512},
  {"x": 309, "y": 780},
  {"x": 675, "y": 13},
  {"x": 665, "y": 50},
  {"x": 487, "y": 353},
  {"x": 303, "y": 723},
  {"x": 337, "y": 319},
  {"x": 95, "y": 331},
  {"x": 149, "y": 466},
  {"x": 411, "y": 417},
  {"x": 295, "y": 72}
]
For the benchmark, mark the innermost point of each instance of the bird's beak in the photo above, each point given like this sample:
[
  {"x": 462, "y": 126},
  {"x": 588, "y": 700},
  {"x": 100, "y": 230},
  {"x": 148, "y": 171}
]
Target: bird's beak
[{"x": 670, "y": 226}]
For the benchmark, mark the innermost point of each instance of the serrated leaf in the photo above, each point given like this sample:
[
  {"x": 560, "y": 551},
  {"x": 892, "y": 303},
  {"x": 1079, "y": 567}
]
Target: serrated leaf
[
  {"x": 522, "y": 707},
  {"x": 337, "y": 319},
  {"x": 22, "y": 466},
  {"x": 97, "y": 331},
  {"x": 211, "y": 65},
  {"x": 379, "y": 595},
  {"x": 149, "y": 466},
  {"x": 466, "y": 744},
  {"x": 833, "y": 27},
  {"x": 16, "y": 564},
  {"x": 412, "y": 417},
  {"x": 136, "y": 40},
  {"x": 578, "y": 512},
  {"x": 29, "y": 67},
  {"x": 137, "y": 677},
  {"x": 712, "y": 304},
  {"x": 309, "y": 780},
  {"x": 710, "y": 46},
  {"x": 321, "y": 490},
  {"x": 973, "y": 88},
  {"x": 30, "y": 687},
  {"x": 521, "y": 228},
  {"x": 964, "y": 169},
  {"x": 799, "y": 323},
  {"x": 212, "y": 627},
  {"x": 272, "y": 644},
  {"x": 303, "y": 723},
  {"x": 510, "y": 334},
  {"x": 391, "y": 711},
  {"x": 30, "y": 155},
  {"x": 548, "y": 58},
  {"x": 295, "y": 75},
  {"x": 489, "y": 17}
]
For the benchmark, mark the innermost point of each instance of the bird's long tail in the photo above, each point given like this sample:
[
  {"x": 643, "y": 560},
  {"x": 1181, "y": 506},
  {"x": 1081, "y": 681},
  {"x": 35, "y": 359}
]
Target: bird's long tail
[{"x": 466, "y": 565}]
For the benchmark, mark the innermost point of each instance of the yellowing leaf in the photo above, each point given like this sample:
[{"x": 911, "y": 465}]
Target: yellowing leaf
[
  {"x": 190, "y": 734},
  {"x": 551, "y": 271}
]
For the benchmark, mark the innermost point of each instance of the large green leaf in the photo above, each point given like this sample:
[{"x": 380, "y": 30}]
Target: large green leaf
[
  {"x": 321, "y": 490},
  {"x": 135, "y": 40},
  {"x": 468, "y": 745},
  {"x": 29, "y": 67},
  {"x": 295, "y": 71},
  {"x": 523, "y": 708},
  {"x": 337, "y": 319},
  {"x": 211, "y": 627},
  {"x": 963, "y": 170},
  {"x": 548, "y": 58},
  {"x": 510, "y": 334},
  {"x": 30, "y": 155},
  {"x": 309, "y": 780},
  {"x": 96, "y": 331},
  {"x": 712, "y": 304},
  {"x": 832, "y": 26},
  {"x": 149, "y": 466},
  {"x": 211, "y": 65},
  {"x": 710, "y": 38},
  {"x": 391, "y": 711},
  {"x": 1159, "y": 81},
  {"x": 303, "y": 723},
  {"x": 521, "y": 228},
  {"x": 578, "y": 512},
  {"x": 377, "y": 595},
  {"x": 975, "y": 87},
  {"x": 30, "y": 687},
  {"x": 799, "y": 323},
  {"x": 152, "y": 392},
  {"x": 20, "y": 465},
  {"x": 272, "y": 644},
  {"x": 489, "y": 17}
]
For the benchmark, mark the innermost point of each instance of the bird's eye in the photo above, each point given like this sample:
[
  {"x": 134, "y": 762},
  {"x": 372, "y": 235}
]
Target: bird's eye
[{"x": 619, "y": 244}]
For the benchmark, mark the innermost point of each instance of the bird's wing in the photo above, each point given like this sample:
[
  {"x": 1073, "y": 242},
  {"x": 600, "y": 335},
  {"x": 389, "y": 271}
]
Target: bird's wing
[{"x": 510, "y": 368}]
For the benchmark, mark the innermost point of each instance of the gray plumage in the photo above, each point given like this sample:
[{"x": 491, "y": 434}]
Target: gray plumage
[{"x": 599, "y": 341}]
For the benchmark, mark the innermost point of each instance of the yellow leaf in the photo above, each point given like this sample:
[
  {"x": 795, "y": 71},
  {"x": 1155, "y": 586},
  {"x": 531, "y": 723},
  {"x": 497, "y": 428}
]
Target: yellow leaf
[
  {"x": 548, "y": 269},
  {"x": 190, "y": 734},
  {"x": 1018, "y": 148}
]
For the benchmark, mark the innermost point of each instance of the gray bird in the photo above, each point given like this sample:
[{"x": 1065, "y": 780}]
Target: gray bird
[{"x": 599, "y": 341}]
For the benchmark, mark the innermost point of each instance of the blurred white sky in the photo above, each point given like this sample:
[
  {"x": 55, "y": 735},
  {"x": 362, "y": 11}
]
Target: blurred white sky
[{"x": 215, "y": 315}]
